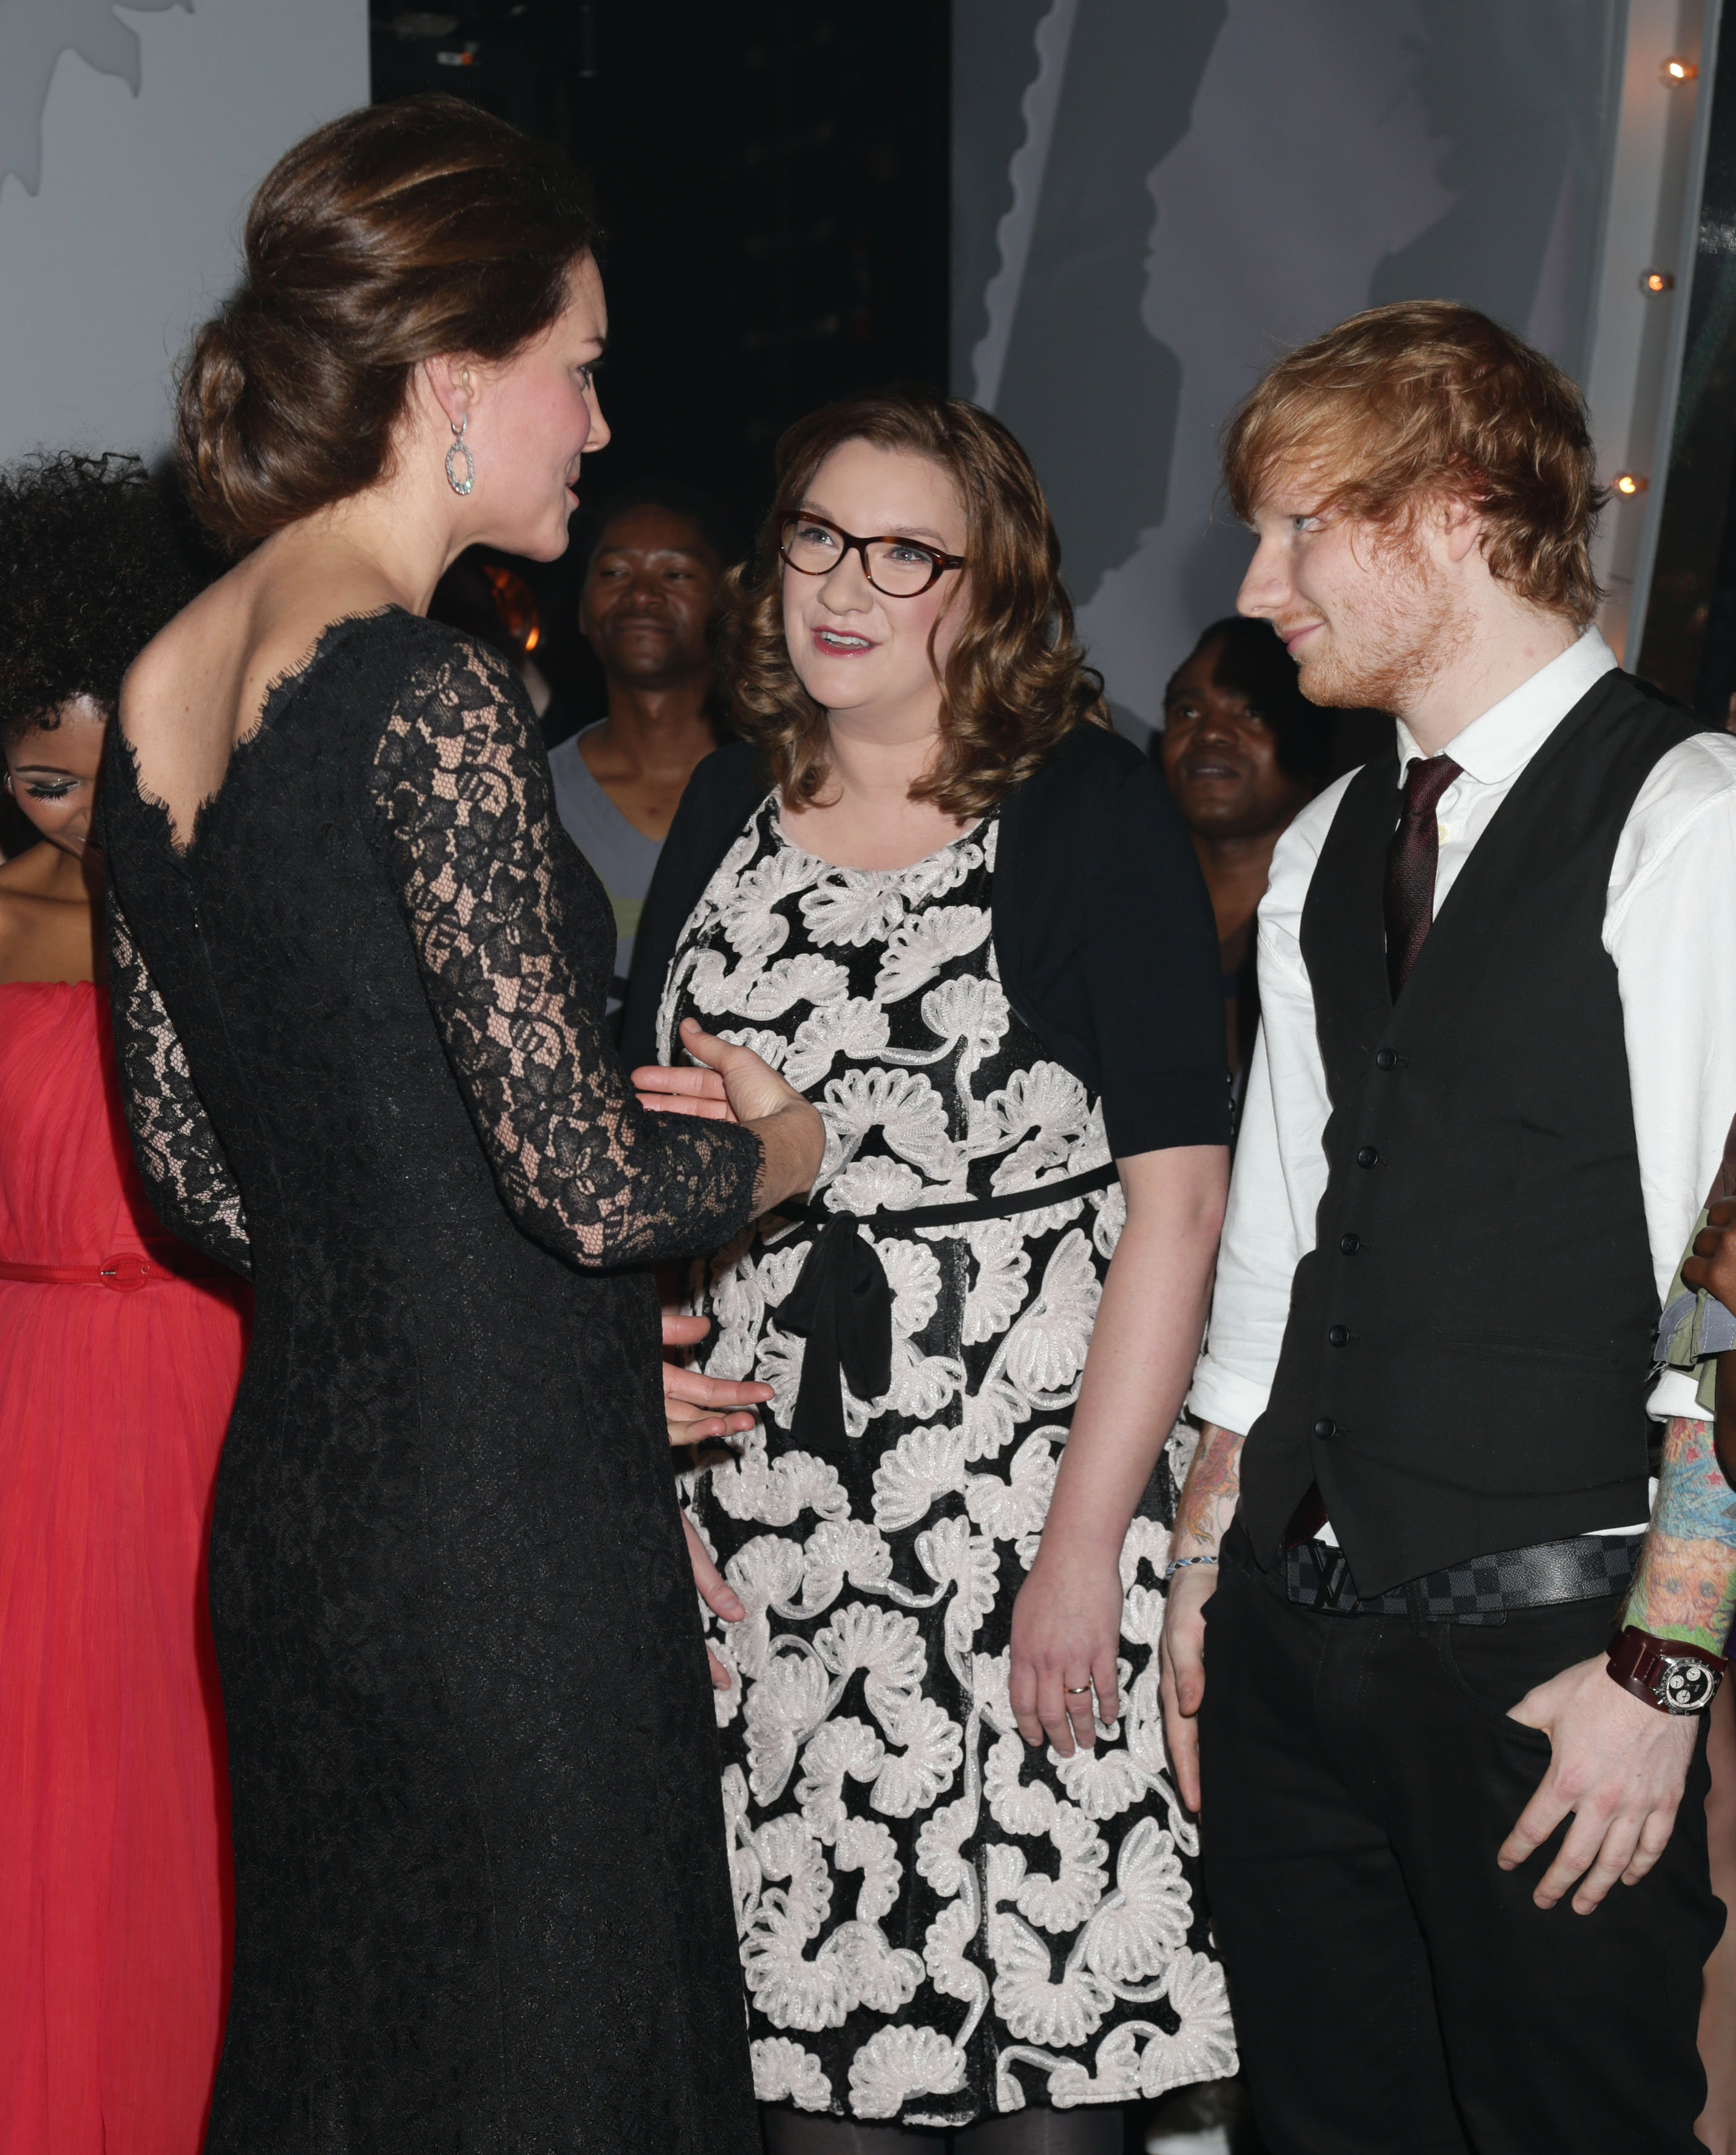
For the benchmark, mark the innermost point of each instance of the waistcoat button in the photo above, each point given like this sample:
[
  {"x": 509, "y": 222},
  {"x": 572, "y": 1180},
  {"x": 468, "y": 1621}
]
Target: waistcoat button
[
  {"x": 1385, "y": 1058},
  {"x": 1350, "y": 1244},
  {"x": 1368, "y": 1157},
  {"x": 1325, "y": 1427},
  {"x": 1340, "y": 1335}
]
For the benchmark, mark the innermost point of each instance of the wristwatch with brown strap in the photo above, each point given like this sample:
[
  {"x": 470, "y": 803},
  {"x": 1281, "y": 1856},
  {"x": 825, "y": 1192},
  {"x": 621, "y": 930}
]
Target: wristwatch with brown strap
[{"x": 1666, "y": 1673}]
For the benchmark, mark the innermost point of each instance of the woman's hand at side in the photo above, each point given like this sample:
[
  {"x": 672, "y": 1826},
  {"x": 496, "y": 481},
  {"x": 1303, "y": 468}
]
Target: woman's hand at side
[
  {"x": 1066, "y": 1621},
  {"x": 733, "y": 1084},
  {"x": 1066, "y": 1627},
  {"x": 718, "y": 1595}
]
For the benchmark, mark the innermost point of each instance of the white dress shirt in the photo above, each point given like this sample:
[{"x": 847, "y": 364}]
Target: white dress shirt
[{"x": 1671, "y": 898}]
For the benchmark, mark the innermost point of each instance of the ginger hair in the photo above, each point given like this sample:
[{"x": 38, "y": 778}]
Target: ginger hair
[{"x": 1426, "y": 400}]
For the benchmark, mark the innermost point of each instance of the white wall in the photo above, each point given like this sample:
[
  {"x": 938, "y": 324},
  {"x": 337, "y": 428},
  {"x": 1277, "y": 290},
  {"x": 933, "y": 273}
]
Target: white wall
[{"x": 146, "y": 128}]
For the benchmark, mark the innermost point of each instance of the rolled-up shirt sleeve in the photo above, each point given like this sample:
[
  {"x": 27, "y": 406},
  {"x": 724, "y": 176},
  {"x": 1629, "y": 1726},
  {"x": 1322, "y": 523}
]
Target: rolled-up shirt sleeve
[
  {"x": 1673, "y": 889},
  {"x": 1280, "y": 1171}
]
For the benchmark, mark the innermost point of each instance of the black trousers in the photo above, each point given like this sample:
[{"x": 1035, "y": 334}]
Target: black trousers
[{"x": 1395, "y": 1992}]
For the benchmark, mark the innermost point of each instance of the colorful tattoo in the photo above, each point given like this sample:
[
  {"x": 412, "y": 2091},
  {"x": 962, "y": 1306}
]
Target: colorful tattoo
[
  {"x": 1209, "y": 1499},
  {"x": 1684, "y": 1586}
]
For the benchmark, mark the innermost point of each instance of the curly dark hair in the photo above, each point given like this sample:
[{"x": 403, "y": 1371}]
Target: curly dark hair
[
  {"x": 93, "y": 561},
  {"x": 1015, "y": 683}
]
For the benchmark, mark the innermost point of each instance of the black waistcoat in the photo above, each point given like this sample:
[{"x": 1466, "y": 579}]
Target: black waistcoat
[{"x": 1465, "y": 1363}]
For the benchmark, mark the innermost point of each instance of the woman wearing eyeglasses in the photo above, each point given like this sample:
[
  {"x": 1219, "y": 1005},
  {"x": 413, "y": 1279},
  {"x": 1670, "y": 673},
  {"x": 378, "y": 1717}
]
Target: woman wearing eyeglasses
[{"x": 933, "y": 889}]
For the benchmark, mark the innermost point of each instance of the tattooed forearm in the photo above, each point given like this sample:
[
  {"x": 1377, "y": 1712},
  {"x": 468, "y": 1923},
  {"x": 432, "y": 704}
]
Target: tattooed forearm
[
  {"x": 1685, "y": 1584},
  {"x": 1209, "y": 1497}
]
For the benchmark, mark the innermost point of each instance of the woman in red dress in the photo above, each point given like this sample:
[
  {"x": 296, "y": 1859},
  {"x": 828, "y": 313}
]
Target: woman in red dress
[{"x": 120, "y": 1350}]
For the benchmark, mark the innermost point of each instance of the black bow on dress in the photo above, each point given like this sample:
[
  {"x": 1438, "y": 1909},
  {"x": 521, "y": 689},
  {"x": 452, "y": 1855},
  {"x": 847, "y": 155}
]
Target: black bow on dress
[
  {"x": 841, "y": 1303},
  {"x": 842, "y": 1306}
]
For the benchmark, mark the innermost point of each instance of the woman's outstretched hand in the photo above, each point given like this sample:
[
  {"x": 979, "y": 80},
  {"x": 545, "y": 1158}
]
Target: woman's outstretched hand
[
  {"x": 696, "y": 1407},
  {"x": 732, "y": 1085}
]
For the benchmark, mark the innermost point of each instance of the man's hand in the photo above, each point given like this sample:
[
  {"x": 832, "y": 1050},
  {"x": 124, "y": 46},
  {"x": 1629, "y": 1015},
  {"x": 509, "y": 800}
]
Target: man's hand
[
  {"x": 696, "y": 1407},
  {"x": 1182, "y": 1681},
  {"x": 1619, "y": 1766},
  {"x": 1209, "y": 1499}
]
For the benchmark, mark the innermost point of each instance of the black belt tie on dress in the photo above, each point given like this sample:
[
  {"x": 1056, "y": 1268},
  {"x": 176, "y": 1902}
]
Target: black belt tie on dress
[{"x": 841, "y": 1303}]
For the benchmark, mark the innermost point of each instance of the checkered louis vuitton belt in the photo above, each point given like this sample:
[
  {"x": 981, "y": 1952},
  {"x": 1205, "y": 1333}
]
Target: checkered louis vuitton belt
[{"x": 1584, "y": 1568}]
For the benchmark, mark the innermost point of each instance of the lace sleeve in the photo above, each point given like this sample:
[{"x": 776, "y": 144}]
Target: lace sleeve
[
  {"x": 491, "y": 888},
  {"x": 187, "y": 1178}
]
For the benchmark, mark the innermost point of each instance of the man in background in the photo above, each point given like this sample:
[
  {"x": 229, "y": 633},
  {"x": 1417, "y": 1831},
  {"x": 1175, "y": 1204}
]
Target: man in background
[
  {"x": 1243, "y": 751},
  {"x": 651, "y": 585}
]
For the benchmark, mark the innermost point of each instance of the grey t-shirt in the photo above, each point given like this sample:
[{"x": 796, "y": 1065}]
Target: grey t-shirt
[{"x": 623, "y": 858}]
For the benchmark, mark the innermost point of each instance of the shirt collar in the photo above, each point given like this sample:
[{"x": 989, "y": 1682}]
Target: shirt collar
[{"x": 1505, "y": 738}]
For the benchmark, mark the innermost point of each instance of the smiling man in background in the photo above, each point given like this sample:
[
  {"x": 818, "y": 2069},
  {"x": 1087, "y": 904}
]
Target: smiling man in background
[
  {"x": 1497, "y": 1064},
  {"x": 651, "y": 588}
]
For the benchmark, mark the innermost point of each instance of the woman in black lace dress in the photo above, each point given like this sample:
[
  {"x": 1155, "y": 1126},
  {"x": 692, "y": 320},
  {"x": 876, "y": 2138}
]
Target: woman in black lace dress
[{"x": 359, "y": 977}]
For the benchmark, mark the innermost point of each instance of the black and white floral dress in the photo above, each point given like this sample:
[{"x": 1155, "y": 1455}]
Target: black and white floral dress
[{"x": 937, "y": 1923}]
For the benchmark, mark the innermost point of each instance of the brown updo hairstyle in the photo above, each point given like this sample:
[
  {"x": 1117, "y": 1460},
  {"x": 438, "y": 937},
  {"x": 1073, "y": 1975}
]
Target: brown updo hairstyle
[
  {"x": 1015, "y": 683},
  {"x": 388, "y": 236}
]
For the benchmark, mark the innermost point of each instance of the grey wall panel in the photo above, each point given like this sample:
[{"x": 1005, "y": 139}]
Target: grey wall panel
[
  {"x": 130, "y": 139},
  {"x": 1222, "y": 178}
]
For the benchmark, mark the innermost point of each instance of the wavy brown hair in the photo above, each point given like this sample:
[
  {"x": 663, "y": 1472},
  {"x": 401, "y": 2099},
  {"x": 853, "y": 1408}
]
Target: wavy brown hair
[
  {"x": 386, "y": 238},
  {"x": 1015, "y": 683},
  {"x": 1422, "y": 399}
]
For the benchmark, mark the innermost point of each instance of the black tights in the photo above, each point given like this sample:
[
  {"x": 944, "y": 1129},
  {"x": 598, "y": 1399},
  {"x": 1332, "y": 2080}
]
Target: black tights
[{"x": 1094, "y": 2130}]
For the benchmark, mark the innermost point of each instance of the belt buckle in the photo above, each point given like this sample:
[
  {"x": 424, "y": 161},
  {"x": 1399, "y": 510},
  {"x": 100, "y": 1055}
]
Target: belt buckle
[
  {"x": 1333, "y": 1590},
  {"x": 125, "y": 1271}
]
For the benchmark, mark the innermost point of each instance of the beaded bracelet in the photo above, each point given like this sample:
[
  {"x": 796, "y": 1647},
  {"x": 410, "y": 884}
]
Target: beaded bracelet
[{"x": 1181, "y": 1563}]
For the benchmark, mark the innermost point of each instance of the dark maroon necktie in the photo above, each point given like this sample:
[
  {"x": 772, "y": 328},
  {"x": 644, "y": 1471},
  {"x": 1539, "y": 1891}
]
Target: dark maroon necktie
[{"x": 1410, "y": 892}]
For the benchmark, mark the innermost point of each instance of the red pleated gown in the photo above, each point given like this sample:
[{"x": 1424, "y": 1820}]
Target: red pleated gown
[{"x": 117, "y": 1368}]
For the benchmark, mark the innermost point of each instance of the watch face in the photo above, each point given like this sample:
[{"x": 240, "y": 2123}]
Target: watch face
[{"x": 1688, "y": 1685}]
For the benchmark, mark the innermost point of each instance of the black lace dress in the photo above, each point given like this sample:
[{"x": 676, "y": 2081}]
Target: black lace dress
[{"x": 481, "y": 1893}]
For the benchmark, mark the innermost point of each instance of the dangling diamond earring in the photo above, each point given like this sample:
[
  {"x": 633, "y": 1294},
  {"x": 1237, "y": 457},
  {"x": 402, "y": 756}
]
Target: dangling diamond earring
[{"x": 459, "y": 448}]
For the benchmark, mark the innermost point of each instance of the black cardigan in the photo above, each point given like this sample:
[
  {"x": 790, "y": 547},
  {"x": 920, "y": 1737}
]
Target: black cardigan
[{"x": 1103, "y": 931}]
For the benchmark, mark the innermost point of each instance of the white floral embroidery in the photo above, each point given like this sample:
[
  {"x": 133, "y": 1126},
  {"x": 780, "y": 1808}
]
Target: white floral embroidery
[
  {"x": 853, "y": 905},
  {"x": 1143, "y": 1924},
  {"x": 902, "y": 1106},
  {"x": 916, "y": 950},
  {"x": 875, "y": 1184},
  {"x": 1204, "y": 2048},
  {"x": 923, "y": 1464},
  {"x": 950, "y": 1921},
  {"x": 997, "y": 1293},
  {"x": 1046, "y": 1107},
  {"x": 784, "y": 2072},
  {"x": 897, "y": 2063},
  {"x": 1035, "y": 2007},
  {"x": 849, "y": 1026}
]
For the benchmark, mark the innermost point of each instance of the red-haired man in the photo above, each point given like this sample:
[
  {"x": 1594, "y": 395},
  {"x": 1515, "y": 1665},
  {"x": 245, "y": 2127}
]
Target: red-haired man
[{"x": 1497, "y": 1064}]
